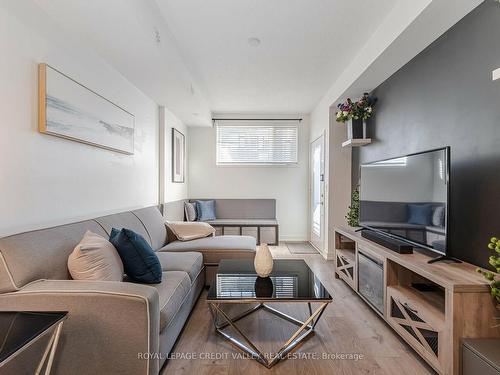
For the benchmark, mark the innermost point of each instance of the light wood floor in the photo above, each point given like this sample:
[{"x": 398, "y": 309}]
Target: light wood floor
[{"x": 348, "y": 325}]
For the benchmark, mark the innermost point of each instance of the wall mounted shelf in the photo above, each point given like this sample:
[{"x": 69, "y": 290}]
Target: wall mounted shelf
[{"x": 356, "y": 142}]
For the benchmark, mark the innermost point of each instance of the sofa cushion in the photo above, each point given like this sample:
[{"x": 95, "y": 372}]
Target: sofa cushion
[
  {"x": 216, "y": 248},
  {"x": 172, "y": 290},
  {"x": 124, "y": 220},
  {"x": 24, "y": 257},
  {"x": 189, "y": 262},
  {"x": 154, "y": 223},
  {"x": 139, "y": 260},
  {"x": 213, "y": 243},
  {"x": 95, "y": 258}
]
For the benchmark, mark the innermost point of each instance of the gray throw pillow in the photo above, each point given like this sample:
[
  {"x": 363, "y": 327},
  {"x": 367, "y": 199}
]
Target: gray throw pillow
[
  {"x": 190, "y": 211},
  {"x": 438, "y": 216}
]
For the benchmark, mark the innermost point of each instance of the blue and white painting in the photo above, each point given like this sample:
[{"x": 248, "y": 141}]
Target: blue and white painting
[{"x": 75, "y": 112}]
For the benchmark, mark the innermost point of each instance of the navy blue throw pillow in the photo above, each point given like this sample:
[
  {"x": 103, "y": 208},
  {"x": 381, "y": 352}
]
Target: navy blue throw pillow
[
  {"x": 419, "y": 214},
  {"x": 139, "y": 260}
]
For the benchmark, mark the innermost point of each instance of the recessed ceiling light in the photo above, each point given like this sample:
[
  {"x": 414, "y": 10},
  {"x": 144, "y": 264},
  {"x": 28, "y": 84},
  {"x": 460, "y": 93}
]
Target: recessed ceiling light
[{"x": 254, "y": 42}]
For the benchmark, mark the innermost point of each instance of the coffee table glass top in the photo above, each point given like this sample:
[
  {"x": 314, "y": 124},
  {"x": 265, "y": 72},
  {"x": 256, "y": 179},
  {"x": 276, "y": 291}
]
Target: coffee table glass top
[
  {"x": 291, "y": 280},
  {"x": 19, "y": 328}
]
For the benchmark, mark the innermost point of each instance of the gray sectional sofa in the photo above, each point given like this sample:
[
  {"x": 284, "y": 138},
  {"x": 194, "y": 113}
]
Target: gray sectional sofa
[{"x": 111, "y": 326}]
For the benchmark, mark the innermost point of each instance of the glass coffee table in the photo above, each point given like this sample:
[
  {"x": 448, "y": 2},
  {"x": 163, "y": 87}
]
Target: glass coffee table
[
  {"x": 19, "y": 331},
  {"x": 292, "y": 281}
]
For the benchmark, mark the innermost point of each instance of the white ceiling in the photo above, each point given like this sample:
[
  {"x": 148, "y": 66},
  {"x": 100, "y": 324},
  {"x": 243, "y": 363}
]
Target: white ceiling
[
  {"x": 204, "y": 64},
  {"x": 123, "y": 32},
  {"x": 305, "y": 45}
]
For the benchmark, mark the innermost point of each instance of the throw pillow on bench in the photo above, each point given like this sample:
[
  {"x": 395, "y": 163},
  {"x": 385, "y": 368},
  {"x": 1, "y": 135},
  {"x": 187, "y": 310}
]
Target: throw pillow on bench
[{"x": 205, "y": 210}]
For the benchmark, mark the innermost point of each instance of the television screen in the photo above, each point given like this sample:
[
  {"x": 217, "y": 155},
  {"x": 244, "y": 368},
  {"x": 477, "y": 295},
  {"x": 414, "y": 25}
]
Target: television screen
[{"x": 407, "y": 198}]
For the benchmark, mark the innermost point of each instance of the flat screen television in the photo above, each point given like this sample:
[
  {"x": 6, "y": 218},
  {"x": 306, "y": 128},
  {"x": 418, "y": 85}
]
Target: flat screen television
[{"x": 407, "y": 198}]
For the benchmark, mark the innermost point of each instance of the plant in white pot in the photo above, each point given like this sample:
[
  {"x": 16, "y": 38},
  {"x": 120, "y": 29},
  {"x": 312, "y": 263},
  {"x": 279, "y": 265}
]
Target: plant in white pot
[{"x": 355, "y": 114}]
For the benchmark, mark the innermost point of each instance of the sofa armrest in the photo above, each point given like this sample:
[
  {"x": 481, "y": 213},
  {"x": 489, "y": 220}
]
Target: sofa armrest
[{"x": 112, "y": 327}]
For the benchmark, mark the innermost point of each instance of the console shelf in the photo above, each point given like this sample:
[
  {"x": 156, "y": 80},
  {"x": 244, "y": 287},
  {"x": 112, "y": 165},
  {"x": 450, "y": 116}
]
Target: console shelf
[{"x": 431, "y": 306}]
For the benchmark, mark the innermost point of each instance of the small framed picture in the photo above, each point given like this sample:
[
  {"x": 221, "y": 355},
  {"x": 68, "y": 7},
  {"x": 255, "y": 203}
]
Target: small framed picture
[{"x": 178, "y": 156}]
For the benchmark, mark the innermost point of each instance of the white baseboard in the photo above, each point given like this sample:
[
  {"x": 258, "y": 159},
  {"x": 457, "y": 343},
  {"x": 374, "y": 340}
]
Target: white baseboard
[{"x": 293, "y": 239}]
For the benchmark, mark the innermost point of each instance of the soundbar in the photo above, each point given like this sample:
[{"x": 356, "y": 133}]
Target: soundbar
[{"x": 398, "y": 246}]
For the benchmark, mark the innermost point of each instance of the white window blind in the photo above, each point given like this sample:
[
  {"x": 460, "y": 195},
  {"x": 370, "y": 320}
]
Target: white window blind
[
  {"x": 244, "y": 286},
  {"x": 257, "y": 142}
]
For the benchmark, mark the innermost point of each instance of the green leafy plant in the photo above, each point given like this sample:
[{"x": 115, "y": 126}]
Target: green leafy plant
[
  {"x": 494, "y": 261},
  {"x": 353, "y": 213}
]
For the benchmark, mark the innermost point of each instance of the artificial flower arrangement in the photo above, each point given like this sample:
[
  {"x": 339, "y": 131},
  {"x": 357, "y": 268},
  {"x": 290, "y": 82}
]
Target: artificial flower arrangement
[{"x": 360, "y": 109}]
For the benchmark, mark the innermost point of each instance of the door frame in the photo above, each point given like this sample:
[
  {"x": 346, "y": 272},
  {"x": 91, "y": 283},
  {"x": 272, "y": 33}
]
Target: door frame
[{"x": 322, "y": 237}]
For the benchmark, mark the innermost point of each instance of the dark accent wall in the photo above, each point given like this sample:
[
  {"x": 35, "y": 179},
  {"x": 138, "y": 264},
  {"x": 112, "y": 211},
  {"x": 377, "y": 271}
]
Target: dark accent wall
[{"x": 445, "y": 96}]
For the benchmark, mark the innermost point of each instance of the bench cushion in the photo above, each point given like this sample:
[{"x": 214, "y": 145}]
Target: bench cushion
[
  {"x": 189, "y": 262},
  {"x": 242, "y": 222},
  {"x": 244, "y": 208}
]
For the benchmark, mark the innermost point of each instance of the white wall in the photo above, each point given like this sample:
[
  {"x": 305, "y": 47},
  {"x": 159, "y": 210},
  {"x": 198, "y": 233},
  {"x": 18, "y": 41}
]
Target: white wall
[
  {"x": 287, "y": 184},
  {"x": 407, "y": 29},
  {"x": 45, "y": 180},
  {"x": 172, "y": 191}
]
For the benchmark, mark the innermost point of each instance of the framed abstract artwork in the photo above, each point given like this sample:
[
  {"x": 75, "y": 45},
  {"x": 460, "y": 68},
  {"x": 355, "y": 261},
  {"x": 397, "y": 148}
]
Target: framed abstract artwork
[
  {"x": 67, "y": 109},
  {"x": 178, "y": 156}
]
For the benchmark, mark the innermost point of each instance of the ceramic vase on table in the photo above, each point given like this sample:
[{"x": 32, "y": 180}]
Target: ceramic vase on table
[{"x": 263, "y": 261}]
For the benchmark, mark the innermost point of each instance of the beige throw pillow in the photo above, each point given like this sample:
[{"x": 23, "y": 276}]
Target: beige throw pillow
[
  {"x": 187, "y": 231},
  {"x": 95, "y": 258}
]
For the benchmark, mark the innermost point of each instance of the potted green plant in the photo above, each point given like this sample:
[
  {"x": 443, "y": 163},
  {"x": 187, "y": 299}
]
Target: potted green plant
[
  {"x": 352, "y": 216},
  {"x": 355, "y": 114},
  {"x": 493, "y": 278}
]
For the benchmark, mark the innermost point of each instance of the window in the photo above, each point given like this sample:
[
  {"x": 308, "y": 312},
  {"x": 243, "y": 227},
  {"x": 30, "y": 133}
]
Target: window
[{"x": 250, "y": 142}]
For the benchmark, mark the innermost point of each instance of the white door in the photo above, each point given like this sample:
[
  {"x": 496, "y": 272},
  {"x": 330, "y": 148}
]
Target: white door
[{"x": 317, "y": 192}]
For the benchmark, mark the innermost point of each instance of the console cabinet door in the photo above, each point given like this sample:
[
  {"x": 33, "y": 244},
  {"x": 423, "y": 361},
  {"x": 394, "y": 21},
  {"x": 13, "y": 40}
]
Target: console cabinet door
[
  {"x": 416, "y": 326},
  {"x": 346, "y": 267}
]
